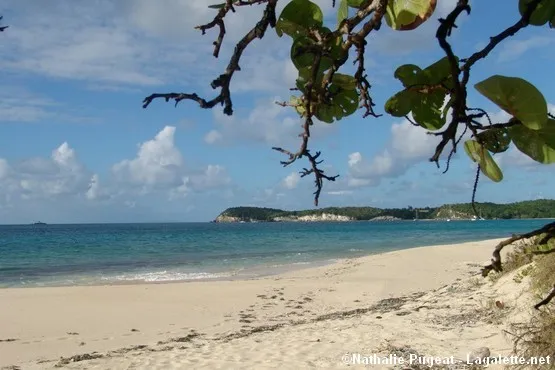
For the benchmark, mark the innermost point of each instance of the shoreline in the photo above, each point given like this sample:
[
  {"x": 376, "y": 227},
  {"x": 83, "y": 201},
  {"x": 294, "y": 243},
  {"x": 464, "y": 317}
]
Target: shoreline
[
  {"x": 124, "y": 324},
  {"x": 250, "y": 272}
]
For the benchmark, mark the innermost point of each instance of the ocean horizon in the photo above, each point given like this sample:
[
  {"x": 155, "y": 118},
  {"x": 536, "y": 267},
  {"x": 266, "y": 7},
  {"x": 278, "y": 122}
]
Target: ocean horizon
[{"x": 106, "y": 254}]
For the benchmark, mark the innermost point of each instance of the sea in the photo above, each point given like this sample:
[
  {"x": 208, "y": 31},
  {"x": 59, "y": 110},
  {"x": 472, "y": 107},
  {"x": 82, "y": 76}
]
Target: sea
[{"x": 104, "y": 254}]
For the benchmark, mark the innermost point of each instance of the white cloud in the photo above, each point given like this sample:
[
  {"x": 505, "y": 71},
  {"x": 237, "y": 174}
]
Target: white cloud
[
  {"x": 515, "y": 158},
  {"x": 340, "y": 192},
  {"x": 267, "y": 123},
  {"x": 213, "y": 137},
  {"x": 111, "y": 44},
  {"x": 159, "y": 165},
  {"x": 408, "y": 145},
  {"x": 158, "y": 162},
  {"x": 292, "y": 180},
  {"x": 93, "y": 190},
  {"x": 61, "y": 175},
  {"x": 400, "y": 43},
  {"x": 4, "y": 168},
  {"x": 513, "y": 49}
]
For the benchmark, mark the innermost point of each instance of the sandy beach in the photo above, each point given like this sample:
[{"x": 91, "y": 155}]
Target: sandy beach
[{"x": 429, "y": 300}]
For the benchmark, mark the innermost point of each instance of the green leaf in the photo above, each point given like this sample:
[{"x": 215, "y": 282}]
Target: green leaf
[
  {"x": 517, "y": 97},
  {"x": 473, "y": 149},
  {"x": 216, "y": 6},
  {"x": 438, "y": 72},
  {"x": 344, "y": 81},
  {"x": 496, "y": 140},
  {"x": 407, "y": 74},
  {"x": 327, "y": 112},
  {"x": 427, "y": 110},
  {"x": 480, "y": 155},
  {"x": 543, "y": 13},
  {"x": 343, "y": 11},
  {"x": 404, "y": 15},
  {"x": 536, "y": 144},
  {"x": 297, "y": 103},
  {"x": 490, "y": 168},
  {"x": 297, "y": 17},
  {"x": 348, "y": 101},
  {"x": 303, "y": 58},
  {"x": 400, "y": 104},
  {"x": 305, "y": 75},
  {"x": 355, "y": 3},
  {"x": 343, "y": 104}
]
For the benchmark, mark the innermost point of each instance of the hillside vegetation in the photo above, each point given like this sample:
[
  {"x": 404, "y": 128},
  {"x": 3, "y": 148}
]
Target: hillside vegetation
[{"x": 544, "y": 208}]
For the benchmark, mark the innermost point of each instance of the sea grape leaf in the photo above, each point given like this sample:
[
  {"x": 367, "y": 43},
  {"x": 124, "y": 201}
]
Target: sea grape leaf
[
  {"x": 400, "y": 104},
  {"x": 496, "y": 140},
  {"x": 427, "y": 110},
  {"x": 305, "y": 75},
  {"x": 343, "y": 11},
  {"x": 473, "y": 149},
  {"x": 480, "y": 155},
  {"x": 408, "y": 74},
  {"x": 216, "y": 6},
  {"x": 404, "y": 15},
  {"x": 536, "y": 144},
  {"x": 543, "y": 13},
  {"x": 355, "y": 3},
  {"x": 342, "y": 104},
  {"x": 304, "y": 58},
  {"x": 344, "y": 81},
  {"x": 517, "y": 97},
  {"x": 297, "y": 104},
  {"x": 297, "y": 17},
  {"x": 437, "y": 72}
]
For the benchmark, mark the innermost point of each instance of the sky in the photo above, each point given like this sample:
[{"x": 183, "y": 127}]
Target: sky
[{"x": 76, "y": 146}]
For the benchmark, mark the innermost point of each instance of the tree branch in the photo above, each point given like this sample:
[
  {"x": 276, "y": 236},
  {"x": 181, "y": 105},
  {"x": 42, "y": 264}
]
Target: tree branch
[
  {"x": 546, "y": 300},
  {"x": 2, "y": 28},
  {"x": 459, "y": 92},
  {"x": 496, "y": 260},
  {"x": 224, "y": 80},
  {"x": 494, "y": 41}
]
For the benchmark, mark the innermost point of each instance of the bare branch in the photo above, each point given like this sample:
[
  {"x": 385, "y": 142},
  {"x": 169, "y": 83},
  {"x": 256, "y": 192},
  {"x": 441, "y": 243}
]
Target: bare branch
[
  {"x": 2, "y": 28},
  {"x": 494, "y": 41},
  {"x": 474, "y": 189},
  {"x": 496, "y": 260},
  {"x": 547, "y": 299},
  {"x": 224, "y": 80},
  {"x": 459, "y": 92}
]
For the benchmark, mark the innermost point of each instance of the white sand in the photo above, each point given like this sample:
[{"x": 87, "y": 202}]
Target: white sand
[{"x": 314, "y": 308}]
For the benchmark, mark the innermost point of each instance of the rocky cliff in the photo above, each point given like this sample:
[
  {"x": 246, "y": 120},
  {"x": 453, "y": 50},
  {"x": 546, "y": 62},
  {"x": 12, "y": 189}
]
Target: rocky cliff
[{"x": 307, "y": 218}]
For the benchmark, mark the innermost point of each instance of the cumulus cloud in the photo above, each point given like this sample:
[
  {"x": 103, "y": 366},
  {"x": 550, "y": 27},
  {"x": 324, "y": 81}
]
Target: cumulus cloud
[
  {"x": 158, "y": 162},
  {"x": 159, "y": 165},
  {"x": 213, "y": 137},
  {"x": 114, "y": 44},
  {"x": 514, "y": 158},
  {"x": 61, "y": 175},
  {"x": 291, "y": 181},
  {"x": 267, "y": 123},
  {"x": 408, "y": 145},
  {"x": 157, "y": 172}
]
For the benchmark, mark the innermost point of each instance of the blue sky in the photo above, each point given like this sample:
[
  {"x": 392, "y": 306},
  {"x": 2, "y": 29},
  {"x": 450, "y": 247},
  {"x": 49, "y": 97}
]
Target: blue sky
[{"x": 76, "y": 145}]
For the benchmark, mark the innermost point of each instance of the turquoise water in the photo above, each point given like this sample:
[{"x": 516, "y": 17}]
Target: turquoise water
[{"x": 57, "y": 255}]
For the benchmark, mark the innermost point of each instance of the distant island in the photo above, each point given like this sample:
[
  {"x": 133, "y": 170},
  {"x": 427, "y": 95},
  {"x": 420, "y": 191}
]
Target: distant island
[
  {"x": 38, "y": 223},
  {"x": 543, "y": 208}
]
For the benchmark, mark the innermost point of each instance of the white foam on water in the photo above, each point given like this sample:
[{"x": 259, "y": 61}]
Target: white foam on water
[{"x": 161, "y": 276}]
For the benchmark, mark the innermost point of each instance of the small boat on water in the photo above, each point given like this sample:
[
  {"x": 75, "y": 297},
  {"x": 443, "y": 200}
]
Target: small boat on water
[{"x": 39, "y": 223}]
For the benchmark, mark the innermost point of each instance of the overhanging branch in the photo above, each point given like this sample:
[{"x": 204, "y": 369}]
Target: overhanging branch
[{"x": 496, "y": 260}]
